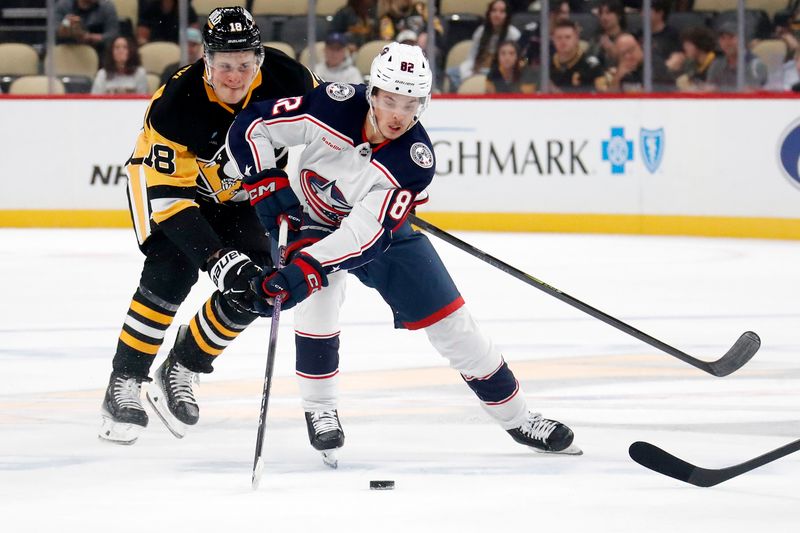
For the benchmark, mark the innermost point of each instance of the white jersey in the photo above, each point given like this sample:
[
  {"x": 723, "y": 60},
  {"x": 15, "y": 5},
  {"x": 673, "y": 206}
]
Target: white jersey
[{"x": 354, "y": 191}]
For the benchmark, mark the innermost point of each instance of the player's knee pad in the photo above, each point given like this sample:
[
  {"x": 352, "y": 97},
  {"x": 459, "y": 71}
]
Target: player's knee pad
[{"x": 458, "y": 338}]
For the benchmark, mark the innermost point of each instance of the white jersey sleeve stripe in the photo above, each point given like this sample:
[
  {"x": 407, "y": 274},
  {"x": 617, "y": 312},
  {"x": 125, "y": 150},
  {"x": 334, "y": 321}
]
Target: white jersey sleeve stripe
[
  {"x": 385, "y": 205},
  {"x": 386, "y": 173},
  {"x": 366, "y": 246},
  {"x": 322, "y": 125}
]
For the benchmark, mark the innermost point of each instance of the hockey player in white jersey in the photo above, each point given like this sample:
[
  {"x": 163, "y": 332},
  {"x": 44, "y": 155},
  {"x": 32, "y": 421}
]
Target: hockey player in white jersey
[{"x": 367, "y": 162}]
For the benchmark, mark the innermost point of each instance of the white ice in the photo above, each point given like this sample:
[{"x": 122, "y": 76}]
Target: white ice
[{"x": 406, "y": 415}]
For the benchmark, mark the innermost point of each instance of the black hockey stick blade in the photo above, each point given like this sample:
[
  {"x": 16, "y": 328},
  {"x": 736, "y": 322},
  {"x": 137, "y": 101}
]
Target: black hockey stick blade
[
  {"x": 739, "y": 354},
  {"x": 658, "y": 460}
]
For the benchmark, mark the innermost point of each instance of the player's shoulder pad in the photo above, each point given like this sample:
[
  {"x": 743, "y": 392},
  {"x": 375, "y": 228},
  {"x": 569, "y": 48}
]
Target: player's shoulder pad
[
  {"x": 342, "y": 92},
  {"x": 342, "y": 106},
  {"x": 410, "y": 159},
  {"x": 173, "y": 113},
  {"x": 280, "y": 68}
]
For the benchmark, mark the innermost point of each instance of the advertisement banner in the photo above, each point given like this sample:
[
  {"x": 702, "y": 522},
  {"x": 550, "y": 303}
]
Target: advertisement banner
[
  {"x": 649, "y": 157},
  {"x": 726, "y": 159}
]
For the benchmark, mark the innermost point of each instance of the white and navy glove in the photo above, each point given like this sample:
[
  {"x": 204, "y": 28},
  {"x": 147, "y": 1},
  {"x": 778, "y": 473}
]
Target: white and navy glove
[
  {"x": 231, "y": 271},
  {"x": 295, "y": 282},
  {"x": 272, "y": 197}
]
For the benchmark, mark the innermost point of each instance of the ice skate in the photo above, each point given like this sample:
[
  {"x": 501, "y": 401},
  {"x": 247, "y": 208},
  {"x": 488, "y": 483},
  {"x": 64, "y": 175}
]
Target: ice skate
[
  {"x": 325, "y": 434},
  {"x": 172, "y": 397},
  {"x": 546, "y": 436},
  {"x": 123, "y": 415}
]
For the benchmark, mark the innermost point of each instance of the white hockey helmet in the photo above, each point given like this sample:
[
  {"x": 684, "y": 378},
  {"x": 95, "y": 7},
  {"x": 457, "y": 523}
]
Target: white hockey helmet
[{"x": 402, "y": 69}]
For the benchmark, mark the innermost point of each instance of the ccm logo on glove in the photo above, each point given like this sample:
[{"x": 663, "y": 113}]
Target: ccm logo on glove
[
  {"x": 264, "y": 188},
  {"x": 272, "y": 196},
  {"x": 295, "y": 282}
]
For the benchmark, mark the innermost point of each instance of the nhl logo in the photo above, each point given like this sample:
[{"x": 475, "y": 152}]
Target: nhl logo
[
  {"x": 340, "y": 91},
  {"x": 422, "y": 155},
  {"x": 364, "y": 151}
]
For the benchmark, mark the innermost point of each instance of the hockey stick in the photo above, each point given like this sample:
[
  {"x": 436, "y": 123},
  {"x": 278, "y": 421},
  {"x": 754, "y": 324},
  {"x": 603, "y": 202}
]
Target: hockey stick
[
  {"x": 739, "y": 354},
  {"x": 258, "y": 461},
  {"x": 656, "y": 459}
]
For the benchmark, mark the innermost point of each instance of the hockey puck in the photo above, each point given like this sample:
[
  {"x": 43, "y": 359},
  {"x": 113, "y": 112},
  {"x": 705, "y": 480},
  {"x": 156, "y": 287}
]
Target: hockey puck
[{"x": 381, "y": 485}]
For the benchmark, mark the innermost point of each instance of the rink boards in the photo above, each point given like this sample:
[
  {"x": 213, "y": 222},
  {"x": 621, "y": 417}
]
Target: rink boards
[{"x": 684, "y": 166}]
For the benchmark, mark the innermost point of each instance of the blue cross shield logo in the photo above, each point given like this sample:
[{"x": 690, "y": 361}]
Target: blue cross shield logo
[
  {"x": 617, "y": 150},
  {"x": 651, "y": 144}
]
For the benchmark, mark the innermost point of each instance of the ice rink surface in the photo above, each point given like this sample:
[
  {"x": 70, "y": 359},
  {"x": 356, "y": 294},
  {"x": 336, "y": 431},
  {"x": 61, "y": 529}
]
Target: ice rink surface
[{"x": 408, "y": 417}]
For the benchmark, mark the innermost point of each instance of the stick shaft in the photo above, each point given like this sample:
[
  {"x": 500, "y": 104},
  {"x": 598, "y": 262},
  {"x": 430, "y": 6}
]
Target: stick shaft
[
  {"x": 272, "y": 348},
  {"x": 722, "y": 369}
]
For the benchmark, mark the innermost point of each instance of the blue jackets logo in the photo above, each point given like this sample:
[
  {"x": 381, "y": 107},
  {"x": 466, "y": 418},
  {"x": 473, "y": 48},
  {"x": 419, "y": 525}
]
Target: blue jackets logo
[
  {"x": 651, "y": 146},
  {"x": 789, "y": 153},
  {"x": 617, "y": 150}
]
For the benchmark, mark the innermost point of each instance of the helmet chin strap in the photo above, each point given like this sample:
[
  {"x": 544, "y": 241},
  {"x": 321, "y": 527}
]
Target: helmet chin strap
[
  {"x": 207, "y": 68},
  {"x": 372, "y": 121}
]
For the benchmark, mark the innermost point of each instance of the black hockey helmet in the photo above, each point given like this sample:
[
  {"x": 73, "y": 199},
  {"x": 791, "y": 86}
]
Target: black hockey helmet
[{"x": 231, "y": 29}]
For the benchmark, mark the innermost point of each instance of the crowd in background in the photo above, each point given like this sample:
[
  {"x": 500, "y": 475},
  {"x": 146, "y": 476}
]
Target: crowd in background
[{"x": 593, "y": 46}]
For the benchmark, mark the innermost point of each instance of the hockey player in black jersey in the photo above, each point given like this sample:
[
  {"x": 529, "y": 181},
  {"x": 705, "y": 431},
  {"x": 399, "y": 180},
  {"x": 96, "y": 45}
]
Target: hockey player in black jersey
[
  {"x": 190, "y": 214},
  {"x": 367, "y": 162}
]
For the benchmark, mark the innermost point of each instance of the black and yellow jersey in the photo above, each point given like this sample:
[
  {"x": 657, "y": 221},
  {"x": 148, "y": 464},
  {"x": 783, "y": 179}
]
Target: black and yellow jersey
[{"x": 179, "y": 158}]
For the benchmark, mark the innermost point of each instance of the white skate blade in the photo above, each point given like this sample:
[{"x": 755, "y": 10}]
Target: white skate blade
[
  {"x": 329, "y": 458},
  {"x": 570, "y": 450},
  {"x": 118, "y": 432},
  {"x": 159, "y": 403}
]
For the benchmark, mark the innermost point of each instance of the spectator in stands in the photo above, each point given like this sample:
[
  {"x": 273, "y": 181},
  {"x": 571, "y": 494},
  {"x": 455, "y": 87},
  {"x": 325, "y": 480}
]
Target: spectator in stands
[
  {"x": 691, "y": 67},
  {"x": 611, "y": 15},
  {"x": 666, "y": 39},
  {"x": 507, "y": 73},
  {"x": 570, "y": 69},
  {"x": 358, "y": 21},
  {"x": 722, "y": 72},
  {"x": 92, "y": 22},
  {"x": 791, "y": 74},
  {"x": 628, "y": 75},
  {"x": 398, "y": 15},
  {"x": 785, "y": 32},
  {"x": 122, "y": 71},
  {"x": 495, "y": 29},
  {"x": 515, "y": 6},
  {"x": 194, "y": 42},
  {"x": 337, "y": 65},
  {"x": 158, "y": 21},
  {"x": 531, "y": 43}
]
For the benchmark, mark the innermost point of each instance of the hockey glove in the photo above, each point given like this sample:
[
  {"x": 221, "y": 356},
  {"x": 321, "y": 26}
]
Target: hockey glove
[
  {"x": 272, "y": 197},
  {"x": 231, "y": 271},
  {"x": 296, "y": 281}
]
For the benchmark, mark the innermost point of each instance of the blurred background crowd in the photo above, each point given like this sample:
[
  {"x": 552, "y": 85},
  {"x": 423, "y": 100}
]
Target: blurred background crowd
[{"x": 478, "y": 46}]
